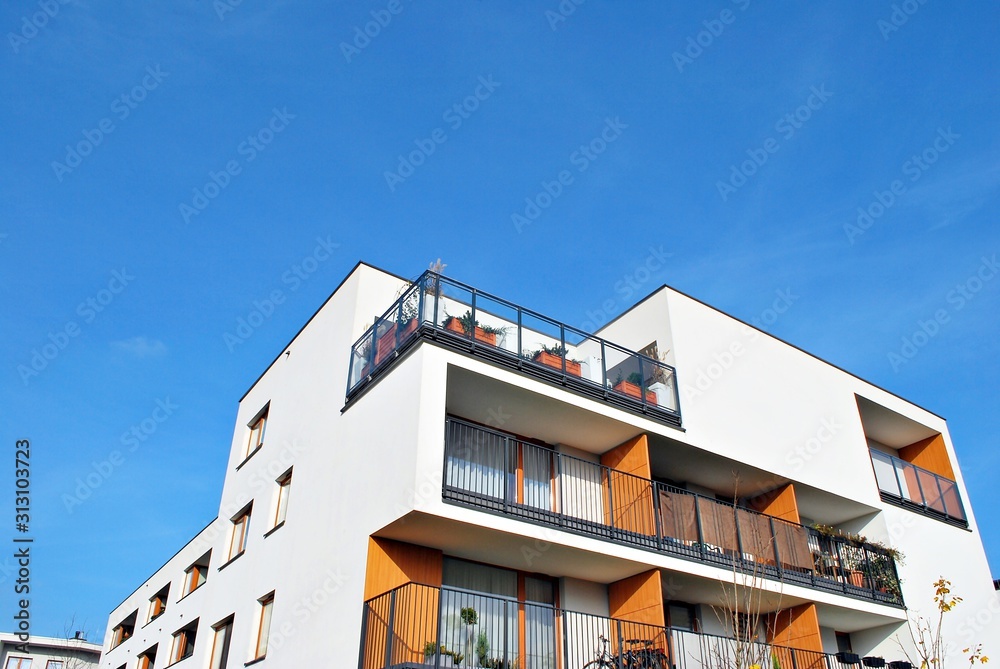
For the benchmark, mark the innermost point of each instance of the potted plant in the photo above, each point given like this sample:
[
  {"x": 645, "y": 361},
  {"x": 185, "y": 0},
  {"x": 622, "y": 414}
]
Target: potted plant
[
  {"x": 435, "y": 655},
  {"x": 406, "y": 325},
  {"x": 552, "y": 356},
  {"x": 483, "y": 650},
  {"x": 632, "y": 386},
  {"x": 465, "y": 326},
  {"x": 876, "y": 662},
  {"x": 471, "y": 619}
]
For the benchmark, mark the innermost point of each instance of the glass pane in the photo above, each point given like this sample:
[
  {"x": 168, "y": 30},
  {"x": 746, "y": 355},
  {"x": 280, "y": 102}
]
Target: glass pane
[
  {"x": 585, "y": 350},
  {"x": 536, "y": 463},
  {"x": 455, "y": 309},
  {"x": 929, "y": 486},
  {"x": 496, "y": 324},
  {"x": 542, "y": 344},
  {"x": 581, "y": 491},
  {"x": 540, "y": 637},
  {"x": 479, "y": 578},
  {"x": 885, "y": 473},
  {"x": 476, "y": 461},
  {"x": 478, "y": 630}
]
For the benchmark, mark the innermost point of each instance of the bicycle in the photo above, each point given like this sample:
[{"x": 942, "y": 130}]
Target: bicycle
[{"x": 644, "y": 658}]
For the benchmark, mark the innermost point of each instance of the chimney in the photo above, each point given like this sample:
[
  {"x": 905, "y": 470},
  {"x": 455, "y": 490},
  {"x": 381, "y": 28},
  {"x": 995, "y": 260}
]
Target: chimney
[{"x": 80, "y": 636}]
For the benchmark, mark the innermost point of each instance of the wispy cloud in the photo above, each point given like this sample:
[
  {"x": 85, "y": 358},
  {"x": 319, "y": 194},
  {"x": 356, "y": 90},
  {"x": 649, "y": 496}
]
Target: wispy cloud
[{"x": 141, "y": 347}]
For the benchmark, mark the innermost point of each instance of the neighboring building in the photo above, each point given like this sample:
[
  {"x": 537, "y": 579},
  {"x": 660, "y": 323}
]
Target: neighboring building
[
  {"x": 43, "y": 652},
  {"x": 423, "y": 476}
]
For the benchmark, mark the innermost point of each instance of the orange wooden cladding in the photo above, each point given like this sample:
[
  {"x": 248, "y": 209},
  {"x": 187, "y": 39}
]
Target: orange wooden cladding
[
  {"x": 797, "y": 627},
  {"x": 930, "y": 454},
  {"x": 390, "y": 565},
  {"x": 631, "y": 498},
  {"x": 780, "y": 503},
  {"x": 639, "y": 601},
  {"x": 394, "y": 563}
]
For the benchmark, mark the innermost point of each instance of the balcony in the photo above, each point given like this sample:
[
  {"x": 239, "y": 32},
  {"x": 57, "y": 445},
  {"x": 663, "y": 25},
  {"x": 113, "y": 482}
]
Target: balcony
[
  {"x": 422, "y": 627},
  {"x": 494, "y": 471},
  {"x": 465, "y": 319},
  {"x": 911, "y": 487}
]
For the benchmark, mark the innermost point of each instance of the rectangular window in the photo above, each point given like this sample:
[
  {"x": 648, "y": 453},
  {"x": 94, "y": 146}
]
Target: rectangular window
[
  {"x": 844, "y": 643},
  {"x": 183, "y": 643},
  {"x": 196, "y": 574},
  {"x": 54, "y": 664},
  {"x": 257, "y": 427},
  {"x": 682, "y": 616},
  {"x": 147, "y": 659},
  {"x": 264, "y": 626},
  {"x": 241, "y": 527},
  {"x": 124, "y": 629},
  {"x": 18, "y": 663},
  {"x": 158, "y": 603},
  {"x": 223, "y": 633},
  {"x": 284, "y": 487}
]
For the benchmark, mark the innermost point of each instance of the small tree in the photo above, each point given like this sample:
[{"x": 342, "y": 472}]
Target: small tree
[{"x": 927, "y": 637}]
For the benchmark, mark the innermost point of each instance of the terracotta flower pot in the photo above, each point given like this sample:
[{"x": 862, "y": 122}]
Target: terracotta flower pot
[
  {"x": 387, "y": 342},
  {"x": 455, "y": 325},
  {"x": 634, "y": 390},
  {"x": 555, "y": 362}
]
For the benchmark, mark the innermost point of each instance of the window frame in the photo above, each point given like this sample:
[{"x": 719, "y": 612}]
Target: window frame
[
  {"x": 223, "y": 626},
  {"x": 54, "y": 664},
  {"x": 240, "y": 520},
  {"x": 158, "y": 604},
  {"x": 257, "y": 430},
  {"x": 20, "y": 663},
  {"x": 263, "y": 626},
  {"x": 182, "y": 642},
  {"x": 281, "y": 505},
  {"x": 200, "y": 568},
  {"x": 147, "y": 658}
]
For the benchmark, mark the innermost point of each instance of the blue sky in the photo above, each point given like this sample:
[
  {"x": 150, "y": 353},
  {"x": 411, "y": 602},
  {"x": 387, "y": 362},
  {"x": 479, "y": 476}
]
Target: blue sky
[{"x": 167, "y": 164}]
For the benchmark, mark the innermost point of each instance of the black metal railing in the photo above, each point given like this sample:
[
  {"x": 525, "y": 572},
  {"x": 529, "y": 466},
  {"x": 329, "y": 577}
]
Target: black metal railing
[
  {"x": 493, "y": 470},
  {"x": 912, "y": 487},
  {"x": 422, "y": 627},
  {"x": 463, "y": 317}
]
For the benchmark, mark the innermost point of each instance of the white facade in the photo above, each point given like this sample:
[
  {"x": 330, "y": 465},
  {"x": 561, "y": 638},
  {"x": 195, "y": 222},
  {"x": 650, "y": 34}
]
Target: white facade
[
  {"x": 374, "y": 467},
  {"x": 41, "y": 652}
]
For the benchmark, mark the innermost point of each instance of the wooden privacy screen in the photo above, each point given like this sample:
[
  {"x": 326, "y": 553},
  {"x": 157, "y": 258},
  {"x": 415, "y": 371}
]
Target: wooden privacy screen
[
  {"x": 638, "y": 602},
  {"x": 797, "y": 627},
  {"x": 628, "y": 488},
  {"x": 930, "y": 454},
  {"x": 677, "y": 518},
  {"x": 392, "y": 564}
]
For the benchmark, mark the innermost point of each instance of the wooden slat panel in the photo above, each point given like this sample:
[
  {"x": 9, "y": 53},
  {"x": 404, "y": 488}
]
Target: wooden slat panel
[
  {"x": 780, "y": 503},
  {"x": 930, "y": 454},
  {"x": 798, "y": 627},
  {"x": 394, "y": 563},
  {"x": 631, "y": 498}
]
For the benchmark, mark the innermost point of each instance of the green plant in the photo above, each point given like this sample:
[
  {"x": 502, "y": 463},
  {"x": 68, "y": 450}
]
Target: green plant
[
  {"x": 775, "y": 663},
  {"x": 636, "y": 378},
  {"x": 469, "y": 616},
  {"x": 431, "y": 648},
  {"x": 482, "y": 649},
  {"x": 557, "y": 350},
  {"x": 469, "y": 324}
]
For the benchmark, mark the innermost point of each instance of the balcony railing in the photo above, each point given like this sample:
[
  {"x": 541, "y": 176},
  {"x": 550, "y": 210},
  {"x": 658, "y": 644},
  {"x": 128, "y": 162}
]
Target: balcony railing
[
  {"x": 464, "y": 318},
  {"x": 422, "y": 627},
  {"x": 495, "y": 471},
  {"x": 909, "y": 486}
]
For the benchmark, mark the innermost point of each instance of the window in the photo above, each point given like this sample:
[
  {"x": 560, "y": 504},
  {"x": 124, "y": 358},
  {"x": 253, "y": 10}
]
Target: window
[
  {"x": 183, "y": 643},
  {"x": 682, "y": 616},
  {"x": 223, "y": 633},
  {"x": 196, "y": 574},
  {"x": 54, "y": 664},
  {"x": 844, "y": 643},
  {"x": 264, "y": 625},
  {"x": 124, "y": 629},
  {"x": 147, "y": 658},
  {"x": 18, "y": 663},
  {"x": 257, "y": 426},
  {"x": 241, "y": 524},
  {"x": 158, "y": 603},
  {"x": 284, "y": 487}
]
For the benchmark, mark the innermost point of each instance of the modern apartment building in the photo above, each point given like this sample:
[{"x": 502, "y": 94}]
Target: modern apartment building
[
  {"x": 43, "y": 652},
  {"x": 430, "y": 475}
]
